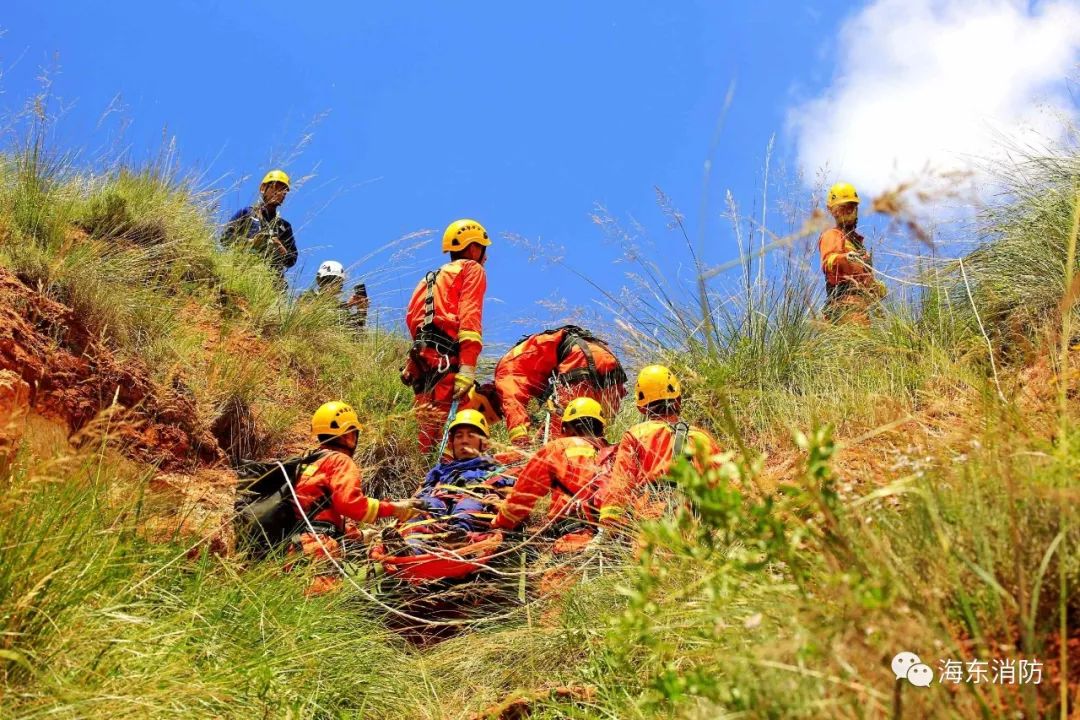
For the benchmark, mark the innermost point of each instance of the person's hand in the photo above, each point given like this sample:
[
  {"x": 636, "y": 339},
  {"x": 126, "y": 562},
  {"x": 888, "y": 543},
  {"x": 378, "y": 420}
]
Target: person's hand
[
  {"x": 405, "y": 509},
  {"x": 522, "y": 441},
  {"x": 408, "y": 373},
  {"x": 854, "y": 257},
  {"x": 464, "y": 381}
]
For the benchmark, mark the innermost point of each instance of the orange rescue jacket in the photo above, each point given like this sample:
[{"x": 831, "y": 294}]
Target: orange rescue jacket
[
  {"x": 538, "y": 361},
  {"x": 566, "y": 468},
  {"x": 834, "y": 245},
  {"x": 644, "y": 456},
  {"x": 458, "y": 308},
  {"x": 337, "y": 475}
]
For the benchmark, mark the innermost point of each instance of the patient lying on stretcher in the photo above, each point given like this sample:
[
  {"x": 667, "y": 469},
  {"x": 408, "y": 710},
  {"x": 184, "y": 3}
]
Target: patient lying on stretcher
[{"x": 458, "y": 497}]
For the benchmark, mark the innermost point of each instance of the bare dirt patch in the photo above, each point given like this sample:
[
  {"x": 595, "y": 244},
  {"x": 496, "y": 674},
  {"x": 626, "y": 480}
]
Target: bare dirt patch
[{"x": 71, "y": 377}]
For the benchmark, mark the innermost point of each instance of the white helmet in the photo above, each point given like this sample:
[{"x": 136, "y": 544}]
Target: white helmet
[{"x": 330, "y": 269}]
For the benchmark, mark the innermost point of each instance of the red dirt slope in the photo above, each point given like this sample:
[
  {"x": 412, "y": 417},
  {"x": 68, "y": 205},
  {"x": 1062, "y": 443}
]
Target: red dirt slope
[{"x": 71, "y": 377}]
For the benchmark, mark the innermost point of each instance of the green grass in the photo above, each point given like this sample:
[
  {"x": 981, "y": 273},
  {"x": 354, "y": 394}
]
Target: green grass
[
  {"x": 134, "y": 253},
  {"x": 99, "y": 620},
  {"x": 927, "y": 501}
]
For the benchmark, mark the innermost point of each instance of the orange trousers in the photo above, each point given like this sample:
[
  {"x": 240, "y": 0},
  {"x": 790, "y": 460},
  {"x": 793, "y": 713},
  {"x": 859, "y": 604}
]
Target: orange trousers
[{"x": 432, "y": 410}]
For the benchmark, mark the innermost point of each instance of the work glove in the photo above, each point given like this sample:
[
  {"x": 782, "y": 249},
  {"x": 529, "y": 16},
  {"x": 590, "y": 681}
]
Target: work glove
[
  {"x": 854, "y": 257},
  {"x": 405, "y": 509},
  {"x": 464, "y": 381},
  {"x": 428, "y": 504}
]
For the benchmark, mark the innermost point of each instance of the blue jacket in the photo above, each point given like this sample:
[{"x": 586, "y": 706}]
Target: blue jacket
[
  {"x": 464, "y": 474},
  {"x": 251, "y": 224}
]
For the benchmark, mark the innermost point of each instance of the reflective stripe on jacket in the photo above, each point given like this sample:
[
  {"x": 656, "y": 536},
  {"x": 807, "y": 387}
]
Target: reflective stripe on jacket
[{"x": 336, "y": 474}]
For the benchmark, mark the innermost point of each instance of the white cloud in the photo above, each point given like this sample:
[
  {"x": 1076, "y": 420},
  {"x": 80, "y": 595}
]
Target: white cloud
[{"x": 939, "y": 84}]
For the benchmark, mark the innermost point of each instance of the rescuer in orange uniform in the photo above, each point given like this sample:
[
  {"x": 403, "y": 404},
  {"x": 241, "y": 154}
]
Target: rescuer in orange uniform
[
  {"x": 445, "y": 318},
  {"x": 561, "y": 364},
  {"x": 333, "y": 482},
  {"x": 850, "y": 287},
  {"x": 566, "y": 468},
  {"x": 645, "y": 453}
]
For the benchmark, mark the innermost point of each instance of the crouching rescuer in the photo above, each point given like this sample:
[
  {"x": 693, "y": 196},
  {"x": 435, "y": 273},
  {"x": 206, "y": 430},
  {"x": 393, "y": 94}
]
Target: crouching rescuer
[
  {"x": 307, "y": 514},
  {"x": 646, "y": 451},
  {"x": 567, "y": 469},
  {"x": 445, "y": 317},
  {"x": 556, "y": 367}
]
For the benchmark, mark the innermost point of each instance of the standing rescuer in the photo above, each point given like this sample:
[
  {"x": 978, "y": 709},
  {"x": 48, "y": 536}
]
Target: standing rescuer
[
  {"x": 261, "y": 229},
  {"x": 850, "y": 287},
  {"x": 559, "y": 365},
  {"x": 445, "y": 317},
  {"x": 646, "y": 450}
]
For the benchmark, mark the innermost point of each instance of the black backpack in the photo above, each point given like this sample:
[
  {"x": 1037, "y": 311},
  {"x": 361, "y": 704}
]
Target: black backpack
[{"x": 267, "y": 512}]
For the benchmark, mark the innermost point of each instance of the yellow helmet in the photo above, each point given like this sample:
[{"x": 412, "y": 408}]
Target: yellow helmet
[
  {"x": 462, "y": 233},
  {"x": 472, "y": 418},
  {"x": 276, "y": 176},
  {"x": 583, "y": 407},
  {"x": 334, "y": 419},
  {"x": 481, "y": 399},
  {"x": 842, "y": 193},
  {"x": 656, "y": 382}
]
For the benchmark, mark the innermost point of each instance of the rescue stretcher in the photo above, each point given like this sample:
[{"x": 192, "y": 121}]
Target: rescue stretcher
[{"x": 439, "y": 564}]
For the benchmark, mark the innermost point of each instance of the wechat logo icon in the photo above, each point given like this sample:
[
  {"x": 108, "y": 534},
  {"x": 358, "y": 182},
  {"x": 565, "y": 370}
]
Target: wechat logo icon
[{"x": 907, "y": 665}]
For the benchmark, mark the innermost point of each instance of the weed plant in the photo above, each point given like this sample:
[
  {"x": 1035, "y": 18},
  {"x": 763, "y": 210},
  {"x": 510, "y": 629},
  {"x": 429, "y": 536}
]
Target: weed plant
[{"x": 888, "y": 488}]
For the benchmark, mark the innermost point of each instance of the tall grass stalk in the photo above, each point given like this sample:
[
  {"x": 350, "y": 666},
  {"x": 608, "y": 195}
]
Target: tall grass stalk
[
  {"x": 1067, "y": 302},
  {"x": 891, "y": 487}
]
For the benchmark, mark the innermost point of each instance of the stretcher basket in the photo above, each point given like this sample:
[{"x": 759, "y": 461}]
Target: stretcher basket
[{"x": 438, "y": 564}]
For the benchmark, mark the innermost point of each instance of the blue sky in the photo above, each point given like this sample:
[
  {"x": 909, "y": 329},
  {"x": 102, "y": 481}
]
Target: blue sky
[{"x": 521, "y": 116}]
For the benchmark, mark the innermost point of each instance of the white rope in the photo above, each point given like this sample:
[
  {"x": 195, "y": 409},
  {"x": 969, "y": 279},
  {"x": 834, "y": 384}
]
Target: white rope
[
  {"x": 425, "y": 622},
  {"x": 899, "y": 280},
  {"x": 990, "y": 347}
]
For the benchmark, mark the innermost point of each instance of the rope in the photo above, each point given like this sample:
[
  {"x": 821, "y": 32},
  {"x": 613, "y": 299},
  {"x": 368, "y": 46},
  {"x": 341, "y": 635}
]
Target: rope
[
  {"x": 989, "y": 345},
  {"x": 372, "y": 598},
  {"x": 345, "y": 574},
  {"x": 394, "y": 611},
  {"x": 899, "y": 280},
  {"x": 875, "y": 271},
  {"x": 446, "y": 431}
]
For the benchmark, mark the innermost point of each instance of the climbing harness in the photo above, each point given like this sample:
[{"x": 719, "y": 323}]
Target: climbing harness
[{"x": 431, "y": 336}]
